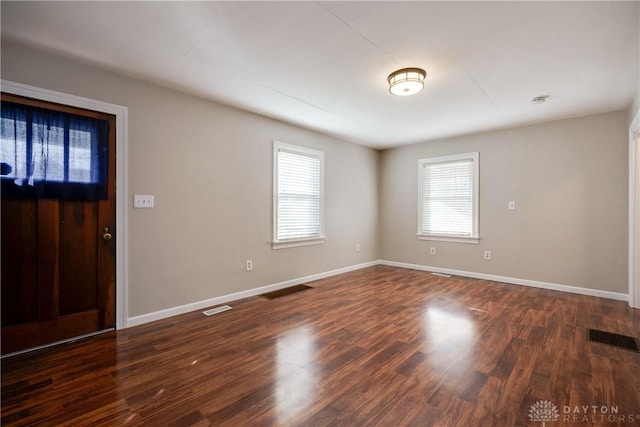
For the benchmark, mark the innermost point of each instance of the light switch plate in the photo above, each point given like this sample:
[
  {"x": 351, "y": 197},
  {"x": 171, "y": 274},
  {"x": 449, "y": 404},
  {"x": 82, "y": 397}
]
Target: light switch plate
[{"x": 142, "y": 201}]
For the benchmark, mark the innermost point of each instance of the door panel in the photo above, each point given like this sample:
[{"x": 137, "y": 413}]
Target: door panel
[
  {"x": 19, "y": 253},
  {"x": 58, "y": 273},
  {"x": 79, "y": 257},
  {"x": 48, "y": 266}
]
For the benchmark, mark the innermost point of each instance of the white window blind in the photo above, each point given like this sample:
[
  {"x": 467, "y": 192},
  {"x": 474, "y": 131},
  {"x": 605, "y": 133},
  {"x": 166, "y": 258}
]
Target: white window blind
[
  {"x": 298, "y": 195},
  {"x": 447, "y": 205}
]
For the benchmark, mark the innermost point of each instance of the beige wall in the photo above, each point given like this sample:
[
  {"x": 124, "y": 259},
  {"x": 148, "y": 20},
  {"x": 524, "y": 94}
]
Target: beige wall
[
  {"x": 569, "y": 181},
  {"x": 210, "y": 169}
]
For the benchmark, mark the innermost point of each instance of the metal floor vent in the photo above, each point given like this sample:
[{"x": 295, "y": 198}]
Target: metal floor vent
[
  {"x": 616, "y": 340},
  {"x": 216, "y": 310}
]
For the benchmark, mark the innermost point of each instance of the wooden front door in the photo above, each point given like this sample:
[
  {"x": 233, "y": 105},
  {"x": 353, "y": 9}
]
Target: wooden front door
[{"x": 58, "y": 258}]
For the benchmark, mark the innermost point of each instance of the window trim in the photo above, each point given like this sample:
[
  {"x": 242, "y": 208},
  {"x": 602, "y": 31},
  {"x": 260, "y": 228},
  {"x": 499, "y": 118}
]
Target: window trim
[
  {"x": 475, "y": 236},
  {"x": 306, "y": 241}
]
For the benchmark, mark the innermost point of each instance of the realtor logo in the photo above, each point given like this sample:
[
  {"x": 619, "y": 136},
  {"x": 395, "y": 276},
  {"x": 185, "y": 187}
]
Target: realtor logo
[{"x": 543, "y": 410}]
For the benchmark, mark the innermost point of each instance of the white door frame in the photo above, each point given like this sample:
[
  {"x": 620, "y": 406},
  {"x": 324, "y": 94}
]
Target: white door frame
[
  {"x": 634, "y": 212},
  {"x": 120, "y": 112}
]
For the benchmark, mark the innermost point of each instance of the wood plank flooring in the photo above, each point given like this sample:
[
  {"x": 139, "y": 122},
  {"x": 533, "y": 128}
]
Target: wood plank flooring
[{"x": 380, "y": 346}]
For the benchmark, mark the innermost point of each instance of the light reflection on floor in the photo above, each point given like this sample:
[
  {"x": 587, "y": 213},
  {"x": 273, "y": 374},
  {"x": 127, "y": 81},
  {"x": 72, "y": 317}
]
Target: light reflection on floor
[
  {"x": 296, "y": 372},
  {"x": 450, "y": 334}
]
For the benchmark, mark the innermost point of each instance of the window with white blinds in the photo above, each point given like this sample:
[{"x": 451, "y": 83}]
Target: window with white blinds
[
  {"x": 298, "y": 196},
  {"x": 448, "y": 198}
]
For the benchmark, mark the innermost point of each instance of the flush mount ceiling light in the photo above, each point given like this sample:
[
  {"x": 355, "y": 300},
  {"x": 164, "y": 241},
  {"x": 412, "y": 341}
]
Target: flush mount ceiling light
[{"x": 407, "y": 81}]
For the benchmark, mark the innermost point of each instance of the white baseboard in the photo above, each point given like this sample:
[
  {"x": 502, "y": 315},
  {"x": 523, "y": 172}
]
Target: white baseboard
[
  {"x": 198, "y": 305},
  {"x": 174, "y": 311},
  {"x": 512, "y": 280}
]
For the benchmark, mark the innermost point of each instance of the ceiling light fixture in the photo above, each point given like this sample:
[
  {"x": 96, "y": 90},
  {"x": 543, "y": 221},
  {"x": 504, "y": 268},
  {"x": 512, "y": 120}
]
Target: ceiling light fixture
[{"x": 407, "y": 81}]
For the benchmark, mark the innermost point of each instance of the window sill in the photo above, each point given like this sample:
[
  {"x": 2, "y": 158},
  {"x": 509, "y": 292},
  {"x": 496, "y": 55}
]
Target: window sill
[
  {"x": 444, "y": 238},
  {"x": 296, "y": 243}
]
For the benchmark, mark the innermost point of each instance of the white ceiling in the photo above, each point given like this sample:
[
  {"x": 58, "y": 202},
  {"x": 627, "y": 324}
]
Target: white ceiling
[{"x": 323, "y": 65}]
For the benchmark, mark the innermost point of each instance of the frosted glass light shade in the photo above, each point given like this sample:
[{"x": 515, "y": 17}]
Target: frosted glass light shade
[{"x": 407, "y": 81}]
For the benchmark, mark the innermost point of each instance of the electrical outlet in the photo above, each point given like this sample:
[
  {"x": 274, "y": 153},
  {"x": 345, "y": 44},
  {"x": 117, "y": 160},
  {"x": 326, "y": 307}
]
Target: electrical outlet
[
  {"x": 357, "y": 247},
  {"x": 249, "y": 265},
  {"x": 433, "y": 251},
  {"x": 512, "y": 205},
  {"x": 487, "y": 255}
]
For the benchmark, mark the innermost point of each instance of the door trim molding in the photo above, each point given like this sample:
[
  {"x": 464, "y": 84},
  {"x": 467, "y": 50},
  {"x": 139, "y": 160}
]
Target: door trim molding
[
  {"x": 634, "y": 213},
  {"x": 121, "y": 113}
]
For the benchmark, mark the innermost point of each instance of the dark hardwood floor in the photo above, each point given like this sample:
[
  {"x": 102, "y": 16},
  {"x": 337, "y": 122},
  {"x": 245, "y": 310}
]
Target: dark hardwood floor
[{"x": 380, "y": 346}]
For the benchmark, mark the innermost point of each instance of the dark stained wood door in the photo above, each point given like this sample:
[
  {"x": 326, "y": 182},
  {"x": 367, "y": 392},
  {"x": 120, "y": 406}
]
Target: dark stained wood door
[{"x": 58, "y": 260}]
